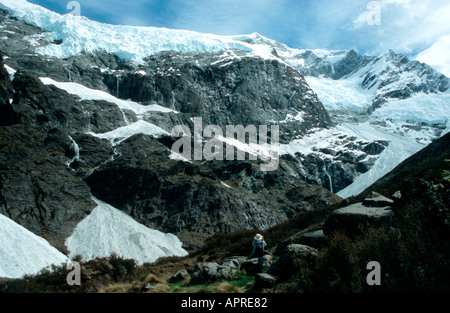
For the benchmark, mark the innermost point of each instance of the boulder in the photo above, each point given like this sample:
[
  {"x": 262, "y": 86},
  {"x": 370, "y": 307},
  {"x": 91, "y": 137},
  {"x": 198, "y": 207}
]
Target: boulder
[
  {"x": 227, "y": 272},
  {"x": 178, "y": 276},
  {"x": 257, "y": 265},
  {"x": 378, "y": 201},
  {"x": 232, "y": 262},
  {"x": 315, "y": 239},
  {"x": 354, "y": 219},
  {"x": 265, "y": 262},
  {"x": 204, "y": 272},
  {"x": 284, "y": 265},
  {"x": 211, "y": 271},
  {"x": 239, "y": 259},
  {"x": 251, "y": 266},
  {"x": 264, "y": 280}
]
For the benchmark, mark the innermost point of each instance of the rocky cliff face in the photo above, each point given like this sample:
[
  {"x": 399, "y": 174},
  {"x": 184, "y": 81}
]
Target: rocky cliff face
[
  {"x": 53, "y": 155},
  {"x": 227, "y": 89},
  {"x": 96, "y": 122},
  {"x": 194, "y": 200},
  {"x": 6, "y": 112},
  {"x": 37, "y": 189}
]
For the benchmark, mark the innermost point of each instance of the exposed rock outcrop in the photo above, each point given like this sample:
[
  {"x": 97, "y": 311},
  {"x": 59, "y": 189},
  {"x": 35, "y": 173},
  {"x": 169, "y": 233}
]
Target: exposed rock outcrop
[
  {"x": 265, "y": 280},
  {"x": 37, "y": 189},
  {"x": 354, "y": 219},
  {"x": 198, "y": 198},
  {"x": 315, "y": 239},
  {"x": 7, "y": 116},
  {"x": 282, "y": 267}
]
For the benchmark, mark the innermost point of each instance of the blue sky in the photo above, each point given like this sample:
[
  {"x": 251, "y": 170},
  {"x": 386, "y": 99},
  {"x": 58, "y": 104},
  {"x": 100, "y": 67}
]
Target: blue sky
[{"x": 413, "y": 27}]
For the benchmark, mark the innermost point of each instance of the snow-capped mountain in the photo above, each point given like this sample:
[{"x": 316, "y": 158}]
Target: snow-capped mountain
[
  {"x": 79, "y": 34},
  {"x": 379, "y": 80},
  {"x": 91, "y": 106},
  {"x": 402, "y": 101}
]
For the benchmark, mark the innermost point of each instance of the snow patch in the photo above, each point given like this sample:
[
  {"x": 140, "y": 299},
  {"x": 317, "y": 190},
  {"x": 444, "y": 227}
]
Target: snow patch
[
  {"x": 228, "y": 186},
  {"x": 108, "y": 230},
  {"x": 178, "y": 157},
  {"x": 24, "y": 253},
  {"x": 86, "y": 93},
  {"x": 120, "y": 134},
  {"x": 10, "y": 71},
  {"x": 76, "y": 149}
]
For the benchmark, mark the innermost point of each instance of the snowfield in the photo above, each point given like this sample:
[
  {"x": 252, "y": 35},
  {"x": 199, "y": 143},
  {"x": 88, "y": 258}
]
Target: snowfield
[
  {"x": 108, "y": 230},
  {"x": 24, "y": 253}
]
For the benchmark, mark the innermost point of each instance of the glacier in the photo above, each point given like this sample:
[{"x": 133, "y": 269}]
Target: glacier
[
  {"x": 399, "y": 148},
  {"x": 341, "y": 95},
  {"x": 132, "y": 43},
  {"x": 407, "y": 124},
  {"x": 420, "y": 108}
]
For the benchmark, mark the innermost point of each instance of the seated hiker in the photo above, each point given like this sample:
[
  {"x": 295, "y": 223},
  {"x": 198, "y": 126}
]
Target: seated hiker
[{"x": 258, "y": 244}]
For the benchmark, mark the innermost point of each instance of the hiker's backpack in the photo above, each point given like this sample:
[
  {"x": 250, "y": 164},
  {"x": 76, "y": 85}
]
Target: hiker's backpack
[{"x": 259, "y": 249}]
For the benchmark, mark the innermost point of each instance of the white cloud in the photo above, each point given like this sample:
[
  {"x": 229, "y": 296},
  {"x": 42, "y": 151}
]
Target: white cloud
[
  {"x": 414, "y": 27},
  {"x": 438, "y": 55}
]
